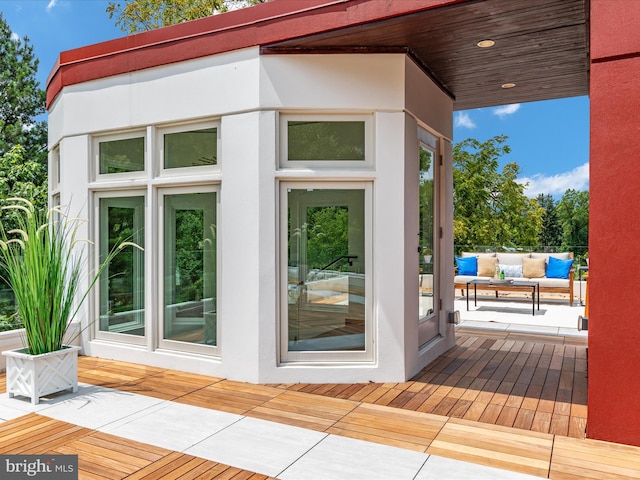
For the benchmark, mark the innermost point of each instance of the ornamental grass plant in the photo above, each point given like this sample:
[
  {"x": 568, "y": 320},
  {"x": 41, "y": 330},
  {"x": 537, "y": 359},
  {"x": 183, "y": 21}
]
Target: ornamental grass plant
[{"x": 42, "y": 261}]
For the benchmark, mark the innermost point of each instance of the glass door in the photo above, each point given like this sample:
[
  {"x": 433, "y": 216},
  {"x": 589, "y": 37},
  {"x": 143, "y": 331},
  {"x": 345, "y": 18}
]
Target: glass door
[
  {"x": 428, "y": 281},
  {"x": 122, "y": 281},
  {"x": 326, "y": 288},
  {"x": 189, "y": 270}
]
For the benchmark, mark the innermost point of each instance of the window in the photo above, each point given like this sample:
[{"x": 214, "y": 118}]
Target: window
[
  {"x": 189, "y": 228},
  {"x": 313, "y": 140},
  {"x": 121, "y": 156},
  {"x": 188, "y": 148},
  {"x": 122, "y": 283},
  {"x": 336, "y": 141},
  {"x": 194, "y": 148},
  {"x": 55, "y": 168},
  {"x": 326, "y": 244}
]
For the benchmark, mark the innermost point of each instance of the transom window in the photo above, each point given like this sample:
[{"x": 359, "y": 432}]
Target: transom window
[
  {"x": 335, "y": 141},
  {"x": 194, "y": 148},
  {"x": 121, "y": 155},
  {"x": 188, "y": 148}
]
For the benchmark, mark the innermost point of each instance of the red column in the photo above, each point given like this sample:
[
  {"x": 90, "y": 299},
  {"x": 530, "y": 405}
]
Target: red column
[{"x": 614, "y": 242}]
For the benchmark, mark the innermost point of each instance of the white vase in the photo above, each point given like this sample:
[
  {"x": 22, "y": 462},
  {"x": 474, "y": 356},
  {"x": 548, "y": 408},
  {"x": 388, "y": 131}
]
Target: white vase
[{"x": 35, "y": 376}]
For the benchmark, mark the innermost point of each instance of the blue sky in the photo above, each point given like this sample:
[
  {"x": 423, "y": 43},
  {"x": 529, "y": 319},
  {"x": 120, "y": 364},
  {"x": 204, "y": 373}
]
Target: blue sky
[{"x": 549, "y": 140}]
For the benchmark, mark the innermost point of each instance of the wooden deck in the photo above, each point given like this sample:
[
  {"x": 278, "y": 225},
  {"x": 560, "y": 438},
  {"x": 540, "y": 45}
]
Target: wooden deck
[
  {"x": 532, "y": 382},
  {"x": 503, "y": 400}
]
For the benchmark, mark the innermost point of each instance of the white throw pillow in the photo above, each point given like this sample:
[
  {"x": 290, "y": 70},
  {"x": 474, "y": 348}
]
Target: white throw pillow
[{"x": 511, "y": 271}]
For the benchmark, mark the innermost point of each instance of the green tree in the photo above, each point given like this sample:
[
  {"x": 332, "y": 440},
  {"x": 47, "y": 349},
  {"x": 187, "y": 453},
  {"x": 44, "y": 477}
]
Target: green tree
[
  {"x": 573, "y": 213},
  {"x": 490, "y": 207},
  {"x": 23, "y": 140},
  {"x": 23, "y": 177},
  {"x": 551, "y": 233},
  {"x": 133, "y": 16},
  {"x": 327, "y": 236},
  {"x": 23, "y": 137}
]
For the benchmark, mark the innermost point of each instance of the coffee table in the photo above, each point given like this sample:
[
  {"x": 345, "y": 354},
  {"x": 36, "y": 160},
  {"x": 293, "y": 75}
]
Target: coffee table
[{"x": 507, "y": 286}]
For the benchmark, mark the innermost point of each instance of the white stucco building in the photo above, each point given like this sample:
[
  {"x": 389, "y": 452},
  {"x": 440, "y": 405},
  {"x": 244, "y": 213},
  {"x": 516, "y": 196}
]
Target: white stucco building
[{"x": 278, "y": 201}]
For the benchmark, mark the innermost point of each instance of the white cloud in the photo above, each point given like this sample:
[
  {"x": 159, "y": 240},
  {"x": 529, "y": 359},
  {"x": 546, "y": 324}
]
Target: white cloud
[
  {"x": 51, "y": 4},
  {"x": 506, "y": 110},
  {"x": 464, "y": 120},
  {"x": 15, "y": 37},
  {"x": 556, "y": 185}
]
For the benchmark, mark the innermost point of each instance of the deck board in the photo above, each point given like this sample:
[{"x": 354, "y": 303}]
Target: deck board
[
  {"x": 494, "y": 446},
  {"x": 579, "y": 459}
]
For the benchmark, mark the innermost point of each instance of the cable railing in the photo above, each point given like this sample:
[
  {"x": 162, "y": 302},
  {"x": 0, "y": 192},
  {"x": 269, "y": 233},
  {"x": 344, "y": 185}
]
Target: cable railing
[{"x": 580, "y": 252}]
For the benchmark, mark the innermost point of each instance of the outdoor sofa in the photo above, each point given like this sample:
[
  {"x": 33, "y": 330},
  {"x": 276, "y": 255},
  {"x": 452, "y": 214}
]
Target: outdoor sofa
[{"x": 552, "y": 271}]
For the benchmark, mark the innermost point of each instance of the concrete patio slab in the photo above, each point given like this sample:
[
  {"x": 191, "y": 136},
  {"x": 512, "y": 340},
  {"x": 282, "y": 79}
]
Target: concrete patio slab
[
  {"x": 258, "y": 445},
  {"x": 174, "y": 426},
  {"x": 98, "y": 407},
  {"x": 336, "y": 458}
]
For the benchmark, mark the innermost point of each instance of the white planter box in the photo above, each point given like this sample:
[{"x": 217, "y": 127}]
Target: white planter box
[{"x": 35, "y": 376}]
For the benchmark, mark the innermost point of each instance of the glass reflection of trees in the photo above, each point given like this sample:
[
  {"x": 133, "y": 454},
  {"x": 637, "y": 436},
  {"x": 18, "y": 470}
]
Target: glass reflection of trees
[
  {"x": 189, "y": 255},
  {"x": 122, "y": 274},
  {"x": 426, "y": 209},
  {"x": 191, "y": 149},
  {"x": 327, "y": 237},
  {"x": 311, "y": 140},
  {"x": 120, "y": 156}
]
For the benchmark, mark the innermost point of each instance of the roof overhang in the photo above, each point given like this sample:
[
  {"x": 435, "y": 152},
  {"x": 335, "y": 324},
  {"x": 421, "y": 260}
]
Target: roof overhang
[{"x": 541, "y": 46}]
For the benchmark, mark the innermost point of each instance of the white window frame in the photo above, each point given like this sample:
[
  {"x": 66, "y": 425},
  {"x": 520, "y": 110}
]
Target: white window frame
[
  {"x": 162, "y": 343},
  {"x": 95, "y": 298},
  {"x": 95, "y": 155},
  {"x": 367, "y": 163},
  {"x": 334, "y": 357},
  {"x": 186, "y": 127}
]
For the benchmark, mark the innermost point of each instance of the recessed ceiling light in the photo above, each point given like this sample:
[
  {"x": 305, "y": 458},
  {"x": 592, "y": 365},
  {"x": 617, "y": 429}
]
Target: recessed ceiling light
[
  {"x": 486, "y": 43},
  {"x": 508, "y": 85}
]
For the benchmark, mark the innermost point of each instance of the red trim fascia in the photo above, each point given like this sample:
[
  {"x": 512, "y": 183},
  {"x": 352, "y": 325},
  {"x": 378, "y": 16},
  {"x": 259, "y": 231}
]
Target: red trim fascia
[{"x": 271, "y": 22}]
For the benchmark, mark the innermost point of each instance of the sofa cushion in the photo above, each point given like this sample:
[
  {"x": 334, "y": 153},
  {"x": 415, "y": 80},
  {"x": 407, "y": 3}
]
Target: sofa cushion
[
  {"x": 533, "y": 267},
  {"x": 477, "y": 254},
  {"x": 511, "y": 271},
  {"x": 467, "y": 265},
  {"x": 486, "y": 266},
  {"x": 512, "y": 258},
  {"x": 553, "y": 282},
  {"x": 461, "y": 279},
  {"x": 559, "y": 268},
  {"x": 546, "y": 256}
]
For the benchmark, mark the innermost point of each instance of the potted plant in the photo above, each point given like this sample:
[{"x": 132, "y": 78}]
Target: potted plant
[
  {"x": 41, "y": 260},
  {"x": 427, "y": 253}
]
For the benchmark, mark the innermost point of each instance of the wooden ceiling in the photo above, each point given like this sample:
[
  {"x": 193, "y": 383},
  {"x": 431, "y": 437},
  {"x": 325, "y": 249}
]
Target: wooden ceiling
[{"x": 540, "y": 45}]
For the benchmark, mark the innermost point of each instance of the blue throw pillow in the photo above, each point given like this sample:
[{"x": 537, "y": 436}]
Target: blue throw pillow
[
  {"x": 559, "y": 268},
  {"x": 467, "y": 265}
]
